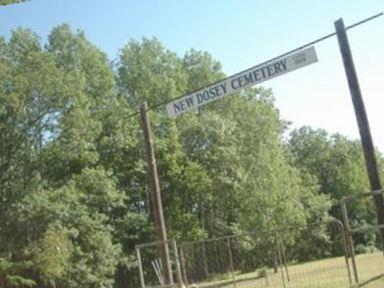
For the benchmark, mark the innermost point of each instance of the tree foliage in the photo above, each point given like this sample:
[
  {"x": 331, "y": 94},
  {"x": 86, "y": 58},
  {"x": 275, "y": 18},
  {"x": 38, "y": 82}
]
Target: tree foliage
[
  {"x": 9, "y": 2},
  {"x": 337, "y": 165},
  {"x": 74, "y": 198}
]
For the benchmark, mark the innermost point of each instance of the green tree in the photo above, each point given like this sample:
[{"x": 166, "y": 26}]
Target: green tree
[
  {"x": 9, "y": 2},
  {"x": 335, "y": 161},
  {"x": 74, "y": 194},
  {"x": 81, "y": 208},
  {"x": 337, "y": 164},
  {"x": 51, "y": 177},
  {"x": 147, "y": 71},
  {"x": 52, "y": 254}
]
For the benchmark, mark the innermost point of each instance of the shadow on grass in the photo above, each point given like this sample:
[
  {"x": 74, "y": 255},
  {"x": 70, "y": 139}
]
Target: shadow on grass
[
  {"x": 225, "y": 283},
  {"x": 370, "y": 280}
]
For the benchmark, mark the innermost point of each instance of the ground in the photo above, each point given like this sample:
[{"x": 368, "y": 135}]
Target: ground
[{"x": 327, "y": 273}]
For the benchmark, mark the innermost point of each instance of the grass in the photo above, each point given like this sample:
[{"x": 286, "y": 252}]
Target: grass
[{"x": 327, "y": 273}]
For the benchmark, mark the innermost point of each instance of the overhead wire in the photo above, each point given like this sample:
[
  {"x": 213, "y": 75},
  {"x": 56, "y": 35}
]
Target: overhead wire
[{"x": 265, "y": 62}]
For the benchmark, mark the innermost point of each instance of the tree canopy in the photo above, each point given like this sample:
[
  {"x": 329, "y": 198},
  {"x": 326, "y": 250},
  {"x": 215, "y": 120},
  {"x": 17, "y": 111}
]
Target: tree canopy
[
  {"x": 74, "y": 198},
  {"x": 9, "y": 2}
]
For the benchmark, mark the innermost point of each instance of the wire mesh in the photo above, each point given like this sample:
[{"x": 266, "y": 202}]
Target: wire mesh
[
  {"x": 317, "y": 255},
  {"x": 364, "y": 237},
  {"x": 369, "y": 259},
  {"x": 310, "y": 256},
  {"x": 206, "y": 262},
  {"x": 151, "y": 265}
]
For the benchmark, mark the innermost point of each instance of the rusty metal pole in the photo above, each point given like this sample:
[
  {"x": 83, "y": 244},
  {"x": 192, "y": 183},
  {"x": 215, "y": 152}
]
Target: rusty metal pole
[{"x": 156, "y": 195}]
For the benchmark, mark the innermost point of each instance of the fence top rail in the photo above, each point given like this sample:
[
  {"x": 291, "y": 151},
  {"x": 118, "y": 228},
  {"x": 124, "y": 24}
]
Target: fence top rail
[
  {"x": 154, "y": 243},
  {"x": 210, "y": 239},
  {"x": 346, "y": 199},
  {"x": 269, "y": 231},
  {"x": 165, "y": 286},
  {"x": 367, "y": 228}
]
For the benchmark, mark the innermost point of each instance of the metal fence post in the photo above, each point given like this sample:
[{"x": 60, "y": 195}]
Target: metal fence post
[
  {"x": 285, "y": 261},
  {"x": 280, "y": 259},
  {"x": 349, "y": 238},
  {"x": 177, "y": 262},
  {"x": 231, "y": 261},
  {"x": 140, "y": 268},
  {"x": 344, "y": 242},
  {"x": 183, "y": 269}
]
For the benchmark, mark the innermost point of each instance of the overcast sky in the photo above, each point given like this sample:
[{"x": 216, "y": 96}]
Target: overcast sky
[{"x": 241, "y": 34}]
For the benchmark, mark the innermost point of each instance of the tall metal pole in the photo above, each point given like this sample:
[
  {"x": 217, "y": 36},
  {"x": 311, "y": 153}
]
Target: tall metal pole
[
  {"x": 155, "y": 194},
  {"x": 362, "y": 121}
]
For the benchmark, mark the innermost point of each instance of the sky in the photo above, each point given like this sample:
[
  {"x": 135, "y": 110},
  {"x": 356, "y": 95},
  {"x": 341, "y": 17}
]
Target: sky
[{"x": 241, "y": 34}]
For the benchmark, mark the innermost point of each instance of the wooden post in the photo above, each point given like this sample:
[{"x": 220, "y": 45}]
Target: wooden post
[
  {"x": 155, "y": 195},
  {"x": 362, "y": 121}
]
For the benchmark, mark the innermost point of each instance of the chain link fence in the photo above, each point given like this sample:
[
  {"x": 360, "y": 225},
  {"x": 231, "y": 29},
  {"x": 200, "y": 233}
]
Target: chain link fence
[
  {"x": 151, "y": 268},
  {"x": 364, "y": 241},
  {"x": 302, "y": 256},
  {"x": 324, "y": 255}
]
